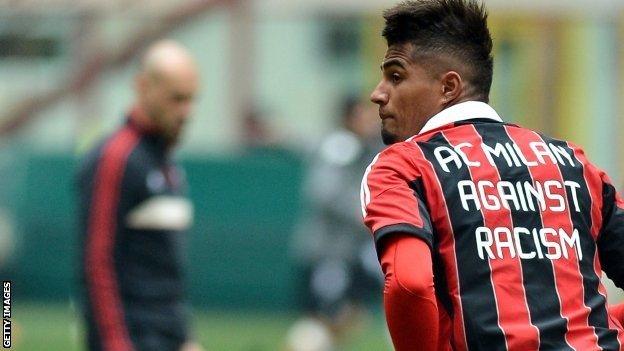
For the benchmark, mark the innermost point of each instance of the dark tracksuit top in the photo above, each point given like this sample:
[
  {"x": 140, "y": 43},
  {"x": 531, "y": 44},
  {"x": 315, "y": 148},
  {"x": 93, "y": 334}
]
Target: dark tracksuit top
[{"x": 132, "y": 220}]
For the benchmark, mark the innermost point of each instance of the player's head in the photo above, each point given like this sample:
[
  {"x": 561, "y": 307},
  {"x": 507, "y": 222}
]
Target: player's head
[
  {"x": 359, "y": 117},
  {"x": 439, "y": 54},
  {"x": 166, "y": 87}
]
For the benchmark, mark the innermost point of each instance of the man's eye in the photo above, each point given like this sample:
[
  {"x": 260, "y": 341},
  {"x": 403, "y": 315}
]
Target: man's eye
[{"x": 395, "y": 77}]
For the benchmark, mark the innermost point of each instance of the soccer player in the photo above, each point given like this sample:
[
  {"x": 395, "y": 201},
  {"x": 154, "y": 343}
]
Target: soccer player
[
  {"x": 337, "y": 261},
  {"x": 491, "y": 236},
  {"x": 134, "y": 213}
]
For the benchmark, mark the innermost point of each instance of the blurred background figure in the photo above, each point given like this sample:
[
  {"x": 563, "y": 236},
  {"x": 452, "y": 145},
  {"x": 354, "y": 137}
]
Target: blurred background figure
[
  {"x": 257, "y": 134},
  {"x": 338, "y": 271},
  {"x": 134, "y": 214}
]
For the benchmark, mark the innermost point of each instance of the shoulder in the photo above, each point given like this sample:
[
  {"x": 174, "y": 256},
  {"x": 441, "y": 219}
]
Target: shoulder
[
  {"x": 397, "y": 161},
  {"x": 114, "y": 152},
  {"x": 573, "y": 153},
  {"x": 398, "y": 156},
  {"x": 116, "y": 145},
  {"x": 120, "y": 145}
]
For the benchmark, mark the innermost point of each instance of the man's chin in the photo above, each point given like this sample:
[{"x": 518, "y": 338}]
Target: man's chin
[
  {"x": 172, "y": 137},
  {"x": 388, "y": 138}
]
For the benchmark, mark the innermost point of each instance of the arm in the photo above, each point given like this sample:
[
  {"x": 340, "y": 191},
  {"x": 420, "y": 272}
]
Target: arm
[
  {"x": 395, "y": 212},
  {"x": 611, "y": 240},
  {"x": 331, "y": 189},
  {"x": 104, "y": 191},
  {"x": 409, "y": 298}
]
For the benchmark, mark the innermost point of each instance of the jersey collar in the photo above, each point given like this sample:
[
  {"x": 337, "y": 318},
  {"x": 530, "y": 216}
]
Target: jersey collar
[
  {"x": 140, "y": 121},
  {"x": 461, "y": 112}
]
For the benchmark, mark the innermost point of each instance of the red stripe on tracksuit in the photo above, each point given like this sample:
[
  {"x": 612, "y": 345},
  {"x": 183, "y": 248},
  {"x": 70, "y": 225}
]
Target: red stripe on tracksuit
[
  {"x": 568, "y": 278},
  {"x": 100, "y": 265},
  {"x": 446, "y": 248},
  {"x": 594, "y": 185},
  {"x": 511, "y": 302}
]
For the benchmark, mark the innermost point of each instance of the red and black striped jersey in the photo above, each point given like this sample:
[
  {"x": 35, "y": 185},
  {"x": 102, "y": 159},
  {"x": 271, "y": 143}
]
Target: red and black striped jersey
[{"x": 520, "y": 225}]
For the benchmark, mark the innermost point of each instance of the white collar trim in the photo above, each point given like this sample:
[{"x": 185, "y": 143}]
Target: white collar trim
[{"x": 461, "y": 112}]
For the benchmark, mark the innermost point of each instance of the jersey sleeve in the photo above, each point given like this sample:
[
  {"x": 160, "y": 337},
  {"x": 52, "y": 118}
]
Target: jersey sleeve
[
  {"x": 611, "y": 239},
  {"x": 392, "y": 200},
  {"x": 107, "y": 190}
]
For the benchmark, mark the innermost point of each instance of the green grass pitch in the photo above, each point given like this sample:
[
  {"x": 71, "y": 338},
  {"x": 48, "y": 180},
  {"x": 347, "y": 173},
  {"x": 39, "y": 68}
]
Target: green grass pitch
[{"x": 56, "y": 327}]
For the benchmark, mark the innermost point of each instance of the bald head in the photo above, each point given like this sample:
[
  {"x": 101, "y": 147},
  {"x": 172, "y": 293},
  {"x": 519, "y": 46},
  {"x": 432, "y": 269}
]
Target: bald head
[
  {"x": 168, "y": 58},
  {"x": 166, "y": 85}
]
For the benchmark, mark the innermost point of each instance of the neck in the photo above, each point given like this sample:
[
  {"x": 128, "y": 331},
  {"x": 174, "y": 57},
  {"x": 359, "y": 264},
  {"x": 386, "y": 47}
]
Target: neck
[
  {"x": 465, "y": 98},
  {"x": 141, "y": 119}
]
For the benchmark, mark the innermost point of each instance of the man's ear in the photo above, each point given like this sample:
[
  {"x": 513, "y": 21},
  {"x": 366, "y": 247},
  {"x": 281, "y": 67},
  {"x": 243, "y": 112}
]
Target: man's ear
[{"x": 452, "y": 86}]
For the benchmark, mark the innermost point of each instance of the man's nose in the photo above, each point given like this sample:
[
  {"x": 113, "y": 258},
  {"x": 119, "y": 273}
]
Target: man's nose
[{"x": 378, "y": 96}]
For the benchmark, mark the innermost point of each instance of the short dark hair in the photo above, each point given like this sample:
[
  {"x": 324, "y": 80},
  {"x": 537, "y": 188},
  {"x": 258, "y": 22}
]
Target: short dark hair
[{"x": 455, "y": 28}]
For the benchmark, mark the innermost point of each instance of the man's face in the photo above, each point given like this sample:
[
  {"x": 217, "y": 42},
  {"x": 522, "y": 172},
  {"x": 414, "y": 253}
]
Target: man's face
[
  {"x": 168, "y": 100},
  {"x": 408, "y": 94},
  {"x": 364, "y": 121}
]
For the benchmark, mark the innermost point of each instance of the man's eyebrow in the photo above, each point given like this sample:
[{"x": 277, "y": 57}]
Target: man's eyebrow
[{"x": 390, "y": 63}]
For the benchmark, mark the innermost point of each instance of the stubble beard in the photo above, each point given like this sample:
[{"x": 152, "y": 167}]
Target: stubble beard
[{"x": 388, "y": 138}]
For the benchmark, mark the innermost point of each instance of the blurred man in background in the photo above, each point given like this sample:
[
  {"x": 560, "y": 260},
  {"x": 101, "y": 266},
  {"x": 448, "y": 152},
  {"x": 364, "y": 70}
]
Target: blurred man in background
[
  {"x": 134, "y": 214},
  {"x": 491, "y": 236},
  {"x": 338, "y": 264}
]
